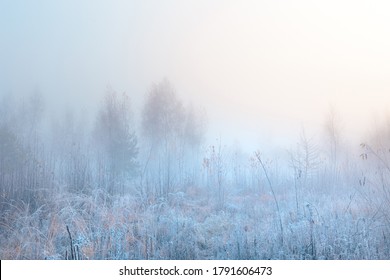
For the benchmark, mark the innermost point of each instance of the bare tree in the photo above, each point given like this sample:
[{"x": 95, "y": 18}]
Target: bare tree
[
  {"x": 162, "y": 128},
  {"x": 173, "y": 135},
  {"x": 333, "y": 130},
  {"x": 304, "y": 160},
  {"x": 24, "y": 170},
  {"x": 162, "y": 116}
]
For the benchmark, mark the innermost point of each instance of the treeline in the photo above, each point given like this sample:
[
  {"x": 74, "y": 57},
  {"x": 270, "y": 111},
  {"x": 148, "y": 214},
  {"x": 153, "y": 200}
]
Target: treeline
[{"x": 109, "y": 155}]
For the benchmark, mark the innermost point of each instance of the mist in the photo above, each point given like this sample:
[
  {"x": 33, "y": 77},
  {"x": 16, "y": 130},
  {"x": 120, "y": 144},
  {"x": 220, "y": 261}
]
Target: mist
[
  {"x": 197, "y": 104},
  {"x": 261, "y": 66}
]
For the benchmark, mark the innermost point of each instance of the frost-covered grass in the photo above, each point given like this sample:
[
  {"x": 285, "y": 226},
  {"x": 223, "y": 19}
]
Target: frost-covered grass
[{"x": 190, "y": 224}]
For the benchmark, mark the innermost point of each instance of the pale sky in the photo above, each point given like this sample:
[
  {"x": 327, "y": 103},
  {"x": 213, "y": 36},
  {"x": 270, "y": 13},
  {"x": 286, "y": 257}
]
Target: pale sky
[{"x": 261, "y": 69}]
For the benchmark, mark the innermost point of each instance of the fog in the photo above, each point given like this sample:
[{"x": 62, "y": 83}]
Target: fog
[
  {"x": 206, "y": 84},
  {"x": 258, "y": 67}
]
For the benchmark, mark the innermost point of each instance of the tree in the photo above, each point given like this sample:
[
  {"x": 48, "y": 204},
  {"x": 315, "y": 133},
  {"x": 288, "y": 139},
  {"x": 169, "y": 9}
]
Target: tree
[
  {"x": 194, "y": 128},
  {"x": 162, "y": 127},
  {"x": 305, "y": 161},
  {"x": 215, "y": 169},
  {"x": 332, "y": 131},
  {"x": 69, "y": 146},
  {"x": 336, "y": 154},
  {"x": 12, "y": 158},
  {"x": 23, "y": 166},
  {"x": 173, "y": 135},
  {"x": 116, "y": 139},
  {"x": 162, "y": 116}
]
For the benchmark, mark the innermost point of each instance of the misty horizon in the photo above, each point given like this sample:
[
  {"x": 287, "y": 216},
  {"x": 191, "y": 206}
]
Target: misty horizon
[{"x": 256, "y": 68}]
